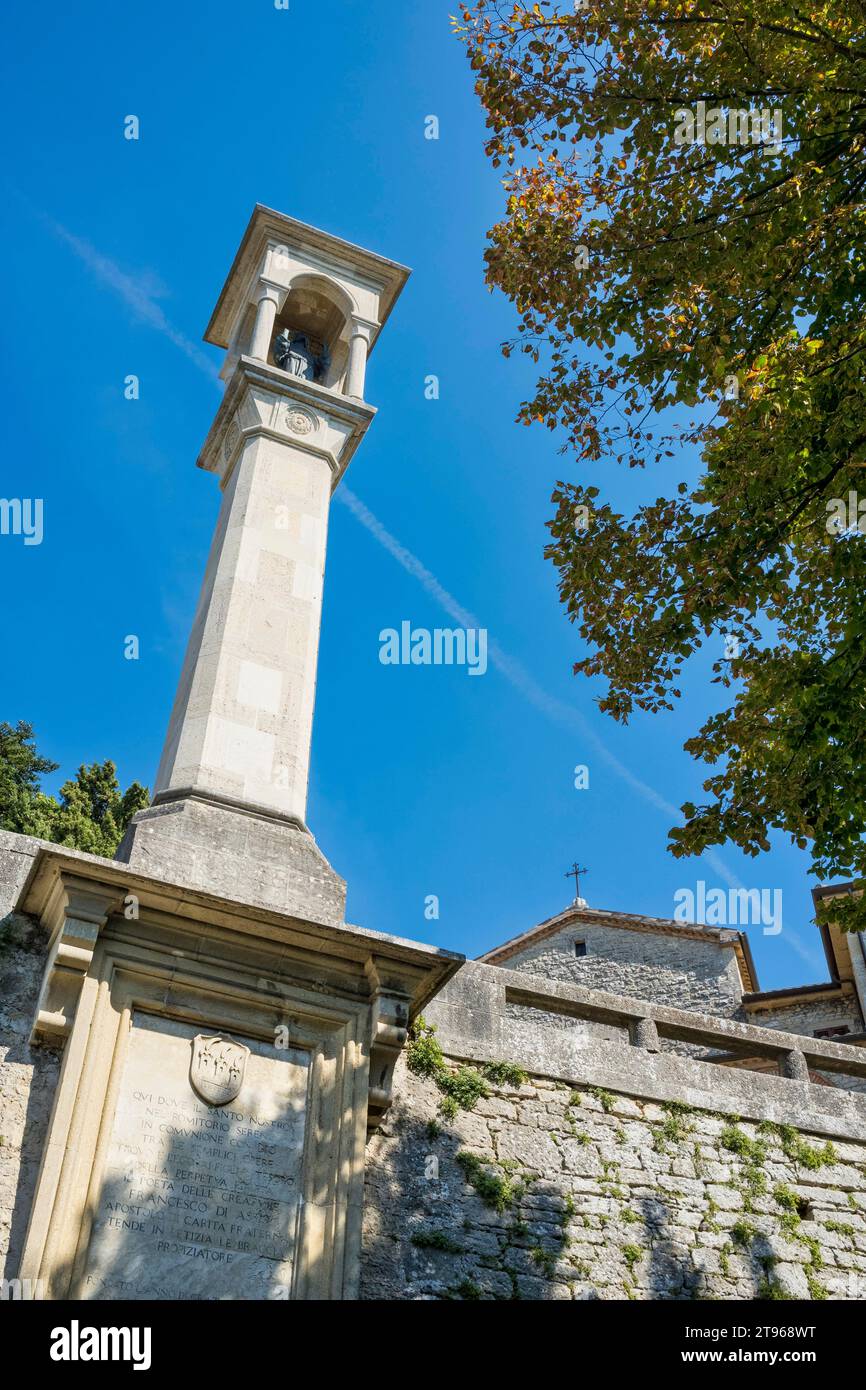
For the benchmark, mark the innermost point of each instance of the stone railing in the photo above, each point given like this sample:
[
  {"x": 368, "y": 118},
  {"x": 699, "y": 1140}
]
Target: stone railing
[
  {"x": 794, "y": 1054},
  {"x": 581, "y": 1035}
]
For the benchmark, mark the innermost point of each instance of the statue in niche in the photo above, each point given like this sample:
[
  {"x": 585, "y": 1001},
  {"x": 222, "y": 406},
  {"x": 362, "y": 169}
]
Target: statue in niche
[{"x": 294, "y": 352}]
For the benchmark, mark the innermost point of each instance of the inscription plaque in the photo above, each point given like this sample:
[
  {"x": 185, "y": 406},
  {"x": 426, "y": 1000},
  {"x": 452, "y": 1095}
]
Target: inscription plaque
[{"x": 199, "y": 1202}]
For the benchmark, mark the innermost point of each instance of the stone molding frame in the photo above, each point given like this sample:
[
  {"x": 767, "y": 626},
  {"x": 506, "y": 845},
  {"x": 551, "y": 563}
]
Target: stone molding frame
[
  {"x": 126, "y": 980},
  {"x": 346, "y": 996},
  {"x": 257, "y": 402}
]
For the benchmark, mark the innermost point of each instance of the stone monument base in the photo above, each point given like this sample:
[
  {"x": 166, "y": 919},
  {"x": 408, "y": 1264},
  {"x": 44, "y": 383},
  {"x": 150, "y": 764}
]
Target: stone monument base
[
  {"x": 235, "y": 853},
  {"x": 222, "y": 1066}
]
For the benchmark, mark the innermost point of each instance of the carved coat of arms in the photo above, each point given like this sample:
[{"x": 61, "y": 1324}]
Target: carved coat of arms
[{"x": 216, "y": 1069}]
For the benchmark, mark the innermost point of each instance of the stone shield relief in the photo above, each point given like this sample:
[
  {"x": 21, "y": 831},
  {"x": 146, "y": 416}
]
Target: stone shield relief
[{"x": 216, "y": 1069}]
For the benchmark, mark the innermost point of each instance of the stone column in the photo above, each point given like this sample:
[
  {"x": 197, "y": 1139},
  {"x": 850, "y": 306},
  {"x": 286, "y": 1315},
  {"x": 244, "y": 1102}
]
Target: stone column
[
  {"x": 266, "y": 312},
  {"x": 230, "y": 797},
  {"x": 359, "y": 343},
  {"x": 242, "y": 722},
  {"x": 644, "y": 1033},
  {"x": 229, "y": 808}
]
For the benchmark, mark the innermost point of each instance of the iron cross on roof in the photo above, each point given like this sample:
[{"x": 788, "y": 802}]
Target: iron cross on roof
[{"x": 575, "y": 872}]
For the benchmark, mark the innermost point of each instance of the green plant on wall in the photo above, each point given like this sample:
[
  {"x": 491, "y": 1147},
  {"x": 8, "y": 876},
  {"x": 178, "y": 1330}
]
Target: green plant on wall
[
  {"x": 742, "y": 1233},
  {"x": 842, "y": 1228},
  {"x": 674, "y": 1127},
  {"x": 604, "y": 1098},
  {"x": 436, "y": 1240},
  {"x": 796, "y": 1148},
  {"x": 467, "y": 1290},
  {"x": 499, "y": 1190},
  {"x": 462, "y": 1087},
  {"x": 545, "y": 1259},
  {"x": 502, "y": 1183},
  {"x": 631, "y": 1254},
  {"x": 737, "y": 1141},
  {"x": 505, "y": 1074}
]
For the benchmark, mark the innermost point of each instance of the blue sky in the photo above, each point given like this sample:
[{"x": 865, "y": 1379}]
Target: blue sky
[{"x": 424, "y": 780}]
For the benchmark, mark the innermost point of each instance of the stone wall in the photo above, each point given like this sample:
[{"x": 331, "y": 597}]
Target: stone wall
[
  {"x": 680, "y": 970},
  {"x": 615, "y": 1169},
  {"x": 684, "y": 972},
  {"x": 810, "y": 1014},
  {"x": 610, "y": 1171},
  {"x": 28, "y": 1075},
  {"x": 603, "y": 1196}
]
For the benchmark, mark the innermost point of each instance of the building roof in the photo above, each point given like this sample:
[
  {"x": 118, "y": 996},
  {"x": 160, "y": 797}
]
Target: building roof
[
  {"x": 791, "y": 994},
  {"x": 389, "y": 276},
  {"x": 594, "y": 916},
  {"x": 836, "y": 943}
]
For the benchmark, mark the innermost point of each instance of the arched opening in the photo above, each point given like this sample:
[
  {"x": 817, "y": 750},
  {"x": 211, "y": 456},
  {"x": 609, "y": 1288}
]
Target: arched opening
[{"x": 319, "y": 312}]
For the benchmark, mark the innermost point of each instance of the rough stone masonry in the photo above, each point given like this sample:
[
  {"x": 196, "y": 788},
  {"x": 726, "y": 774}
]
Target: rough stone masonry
[
  {"x": 608, "y": 1170},
  {"x": 593, "y": 1194}
]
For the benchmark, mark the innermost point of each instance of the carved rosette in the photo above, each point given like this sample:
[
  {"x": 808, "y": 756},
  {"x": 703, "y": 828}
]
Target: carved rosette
[{"x": 299, "y": 422}]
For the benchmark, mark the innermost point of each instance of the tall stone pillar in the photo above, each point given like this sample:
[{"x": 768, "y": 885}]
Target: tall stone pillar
[
  {"x": 228, "y": 1039},
  {"x": 229, "y": 805}
]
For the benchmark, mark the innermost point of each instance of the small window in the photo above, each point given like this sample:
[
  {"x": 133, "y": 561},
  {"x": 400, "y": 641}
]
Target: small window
[
  {"x": 580, "y": 948},
  {"x": 832, "y": 1032}
]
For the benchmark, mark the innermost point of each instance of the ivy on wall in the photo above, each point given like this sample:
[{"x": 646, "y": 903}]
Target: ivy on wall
[
  {"x": 766, "y": 1209},
  {"x": 462, "y": 1087}
]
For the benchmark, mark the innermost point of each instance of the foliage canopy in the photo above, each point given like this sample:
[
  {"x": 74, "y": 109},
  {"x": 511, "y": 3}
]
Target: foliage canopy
[
  {"x": 91, "y": 812},
  {"x": 702, "y": 296}
]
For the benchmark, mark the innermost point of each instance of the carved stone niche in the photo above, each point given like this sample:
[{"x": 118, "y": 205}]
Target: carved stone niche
[{"x": 223, "y": 1065}]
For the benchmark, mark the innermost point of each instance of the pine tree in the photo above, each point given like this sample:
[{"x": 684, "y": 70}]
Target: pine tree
[{"x": 91, "y": 813}]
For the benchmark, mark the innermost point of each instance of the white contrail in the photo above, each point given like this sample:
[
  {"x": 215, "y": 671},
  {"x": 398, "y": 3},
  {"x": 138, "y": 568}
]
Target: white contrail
[
  {"x": 810, "y": 957},
  {"x": 135, "y": 294},
  {"x": 144, "y": 304},
  {"x": 517, "y": 676}
]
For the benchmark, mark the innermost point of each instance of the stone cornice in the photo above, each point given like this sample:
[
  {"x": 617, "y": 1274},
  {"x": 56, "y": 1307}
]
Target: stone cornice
[
  {"x": 48, "y": 896},
  {"x": 225, "y": 437},
  {"x": 386, "y": 276},
  {"x": 797, "y": 994}
]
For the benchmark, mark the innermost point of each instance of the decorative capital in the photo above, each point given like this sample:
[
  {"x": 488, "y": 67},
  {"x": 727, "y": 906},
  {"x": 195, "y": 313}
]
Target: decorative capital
[
  {"x": 391, "y": 1002},
  {"x": 362, "y": 328},
  {"x": 267, "y": 289},
  {"x": 74, "y": 915},
  {"x": 263, "y": 401}
]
